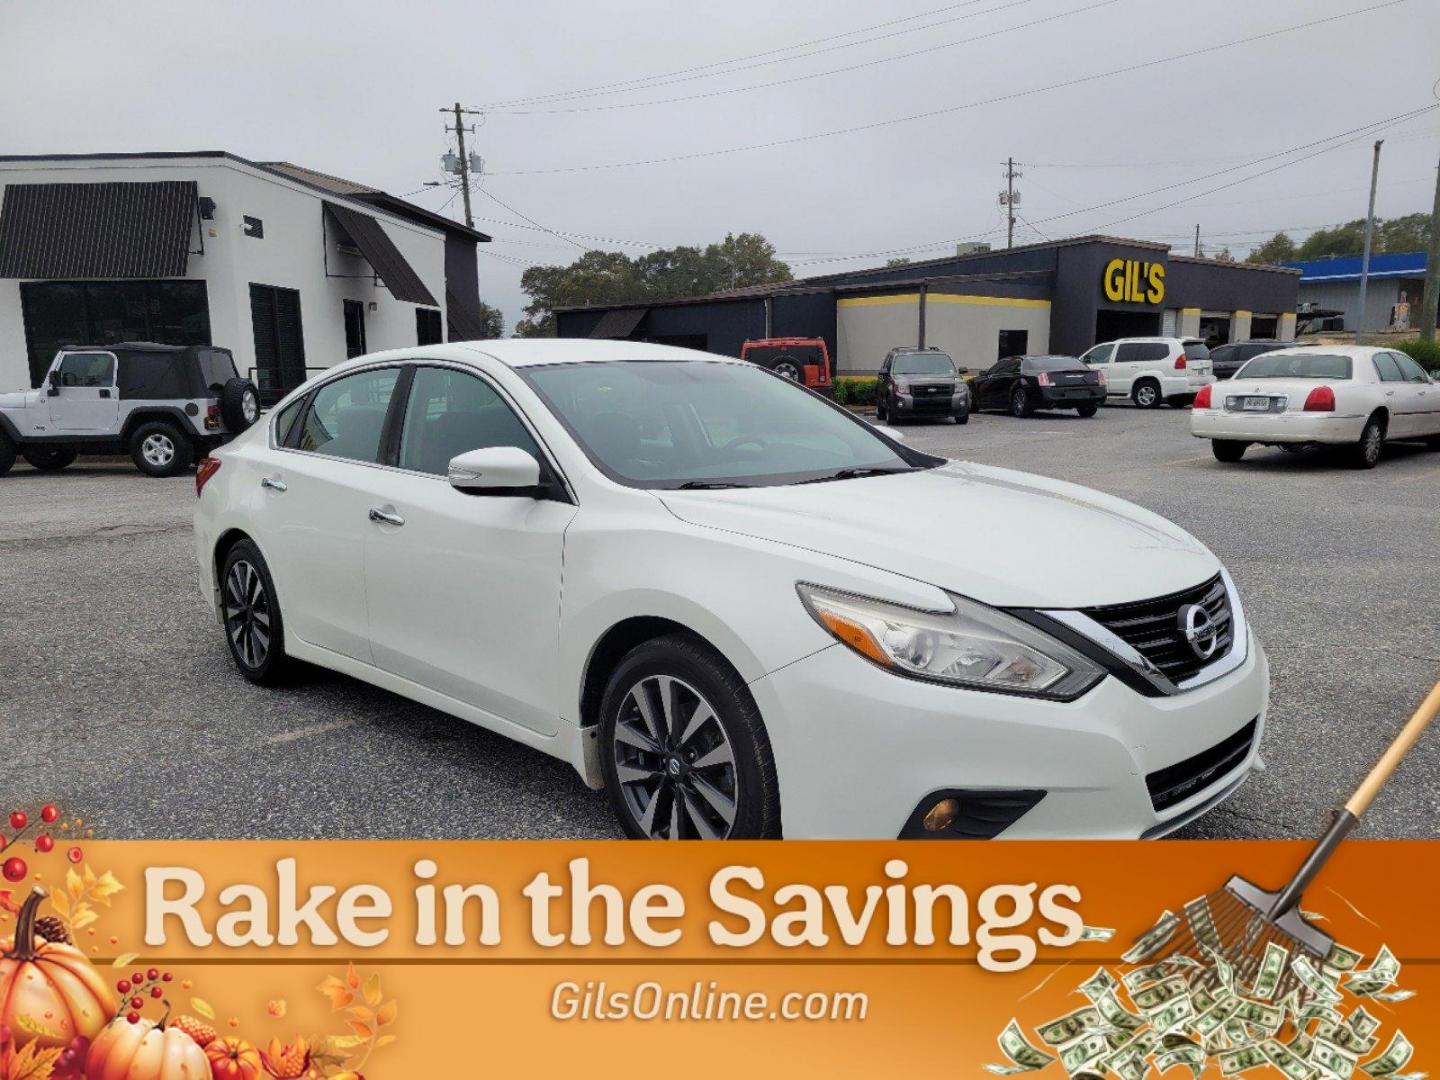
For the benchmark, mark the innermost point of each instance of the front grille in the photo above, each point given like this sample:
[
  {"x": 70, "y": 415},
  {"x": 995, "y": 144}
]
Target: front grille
[
  {"x": 1176, "y": 783},
  {"x": 1153, "y": 628}
]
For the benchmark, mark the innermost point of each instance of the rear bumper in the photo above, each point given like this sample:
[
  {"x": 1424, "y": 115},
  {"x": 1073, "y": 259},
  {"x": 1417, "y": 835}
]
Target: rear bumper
[
  {"x": 1287, "y": 427},
  {"x": 1067, "y": 397}
]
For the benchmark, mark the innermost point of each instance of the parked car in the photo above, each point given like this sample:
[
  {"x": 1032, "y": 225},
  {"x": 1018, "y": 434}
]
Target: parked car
[
  {"x": 917, "y": 382},
  {"x": 1151, "y": 371},
  {"x": 164, "y": 405},
  {"x": 739, "y": 608},
  {"x": 1355, "y": 397},
  {"x": 1022, "y": 384},
  {"x": 802, "y": 360},
  {"x": 1228, "y": 359}
]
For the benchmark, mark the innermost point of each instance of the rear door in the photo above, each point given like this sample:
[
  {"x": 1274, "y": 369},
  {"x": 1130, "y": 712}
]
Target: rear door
[{"x": 83, "y": 397}]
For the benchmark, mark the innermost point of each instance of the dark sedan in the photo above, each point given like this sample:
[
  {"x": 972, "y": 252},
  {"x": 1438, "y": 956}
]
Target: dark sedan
[
  {"x": 1022, "y": 384},
  {"x": 1225, "y": 360}
]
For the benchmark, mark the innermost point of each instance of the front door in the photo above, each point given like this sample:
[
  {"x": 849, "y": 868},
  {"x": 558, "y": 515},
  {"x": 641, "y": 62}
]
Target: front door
[
  {"x": 1427, "y": 395},
  {"x": 1406, "y": 400},
  {"x": 1098, "y": 358},
  {"x": 322, "y": 493},
  {"x": 464, "y": 590},
  {"x": 279, "y": 341},
  {"x": 83, "y": 397}
]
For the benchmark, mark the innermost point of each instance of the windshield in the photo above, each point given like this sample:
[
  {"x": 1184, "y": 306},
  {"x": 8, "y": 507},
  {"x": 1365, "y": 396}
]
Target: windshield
[
  {"x": 1306, "y": 365},
  {"x": 1196, "y": 350},
  {"x": 924, "y": 363},
  {"x": 679, "y": 423}
]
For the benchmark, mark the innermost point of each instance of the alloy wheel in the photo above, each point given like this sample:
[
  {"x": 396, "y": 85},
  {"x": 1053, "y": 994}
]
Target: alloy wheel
[
  {"x": 674, "y": 762},
  {"x": 1371, "y": 442},
  {"x": 158, "y": 449},
  {"x": 247, "y": 614},
  {"x": 1146, "y": 395}
]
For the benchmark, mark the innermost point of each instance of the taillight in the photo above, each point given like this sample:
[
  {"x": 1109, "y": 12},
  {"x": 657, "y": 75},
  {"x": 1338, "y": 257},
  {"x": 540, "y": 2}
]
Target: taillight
[
  {"x": 212, "y": 418},
  {"x": 1321, "y": 399},
  {"x": 1043, "y": 378},
  {"x": 1180, "y": 362},
  {"x": 1202, "y": 399},
  {"x": 207, "y": 468}
]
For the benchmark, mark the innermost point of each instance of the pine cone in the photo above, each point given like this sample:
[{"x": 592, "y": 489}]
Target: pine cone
[{"x": 52, "y": 929}]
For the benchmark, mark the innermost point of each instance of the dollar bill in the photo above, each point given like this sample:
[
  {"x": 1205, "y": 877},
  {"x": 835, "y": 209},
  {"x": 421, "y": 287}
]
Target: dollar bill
[
  {"x": 1142, "y": 976},
  {"x": 1191, "y": 1056},
  {"x": 1223, "y": 971},
  {"x": 1396, "y": 1056},
  {"x": 1391, "y": 996},
  {"x": 1116, "y": 1015},
  {"x": 1162, "y": 993},
  {"x": 1361, "y": 1022},
  {"x": 1381, "y": 974},
  {"x": 1069, "y": 1027},
  {"x": 1333, "y": 1059},
  {"x": 1083, "y": 1052},
  {"x": 1287, "y": 1061},
  {"x": 1023, "y": 1057},
  {"x": 1345, "y": 1037},
  {"x": 1320, "y": 989},
  {"x": 1173, "y": 1015},
  {"x": 1342, "y": 959},
  {"x": 1317, "y": 1010},
  {"x": 1097, "y": 933},
  {"x": 1267, "y": 1017},
  {"x": 1242, "y": 1059},
  {"x": 1272, "y": 966},
  {"x": 1302, "y": 1044},
  {"x": 1154, "y": 939},
  {"x": 1102, "y": 982},
  {"x": 1213, "y": 1019}
]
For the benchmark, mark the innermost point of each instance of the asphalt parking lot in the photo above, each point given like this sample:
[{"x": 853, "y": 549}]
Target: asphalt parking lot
[{"x": 118, "y": 695}]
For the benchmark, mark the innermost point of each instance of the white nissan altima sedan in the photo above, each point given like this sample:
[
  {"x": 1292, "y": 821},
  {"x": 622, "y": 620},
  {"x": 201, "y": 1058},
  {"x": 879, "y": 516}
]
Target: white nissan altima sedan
[{"x": 740, "y": 609}]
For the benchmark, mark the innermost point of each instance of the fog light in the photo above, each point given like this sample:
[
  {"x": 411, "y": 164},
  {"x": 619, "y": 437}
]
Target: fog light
[{"x": 942, "y": 815}]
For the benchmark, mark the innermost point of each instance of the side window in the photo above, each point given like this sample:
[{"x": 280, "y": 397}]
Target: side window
[
  {"x": 1412, "y": 371},
  {"x": 285, "y": 420},
  {"x": 451, "y": 412},
  {"x": 1387, "y": 367},
  {"x": 1128, "y": 353},
  {"x": 1225, "y": 353},
  {"x": 347, "y": 416},
  {"x": 1100, "y": 354},
  {"x": 87, "y": 369}
]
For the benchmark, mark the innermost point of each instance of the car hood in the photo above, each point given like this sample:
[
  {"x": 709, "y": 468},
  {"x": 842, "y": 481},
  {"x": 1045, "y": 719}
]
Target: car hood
[
  {"x": 15, "y": 400},
  {"x": 1001, "y": 537}
]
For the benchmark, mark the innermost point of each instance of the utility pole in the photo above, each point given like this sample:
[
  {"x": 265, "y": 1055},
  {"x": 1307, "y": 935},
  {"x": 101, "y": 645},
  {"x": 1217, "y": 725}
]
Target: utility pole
[
  {"x": 1369, "y": 235},
  {"x": 1430, "y": 302},
  {"x": 459, "y": 129},
  {"x": 1008, "y": 199},
  {"x": 1197, "y": 241}
]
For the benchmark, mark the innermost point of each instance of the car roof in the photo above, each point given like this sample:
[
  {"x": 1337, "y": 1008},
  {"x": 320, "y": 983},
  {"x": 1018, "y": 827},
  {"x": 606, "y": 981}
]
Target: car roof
[
  {"x": 536, "y": 352},
  {"x": 1357, "y": 351}
]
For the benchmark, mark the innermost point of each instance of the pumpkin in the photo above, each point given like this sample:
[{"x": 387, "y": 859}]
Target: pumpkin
[
  {"x": 233, "y": 1059},
  {"x": 145, "y": 1051},
  {"x": 49, "y": 993}
]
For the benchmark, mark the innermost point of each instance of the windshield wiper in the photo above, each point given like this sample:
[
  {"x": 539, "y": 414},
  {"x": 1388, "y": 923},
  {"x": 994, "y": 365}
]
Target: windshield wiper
[
  {"x": 855, "y": 473},
  {"x": 708, "y": 485}
]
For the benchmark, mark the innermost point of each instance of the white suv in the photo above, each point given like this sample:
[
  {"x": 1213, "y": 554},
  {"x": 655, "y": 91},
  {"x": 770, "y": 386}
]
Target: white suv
[
  {"x": 736, "y": 606},
  {"x": 1152, "y": 370}
]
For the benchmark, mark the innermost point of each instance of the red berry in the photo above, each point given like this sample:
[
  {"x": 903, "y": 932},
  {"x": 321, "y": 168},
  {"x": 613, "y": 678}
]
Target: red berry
[
  {"x": 75, "y": 854},
  {"x": 49, "y": 814},
  {"x": 133, "y": 1017},
  {"x": 19, "y": 819},
  {"x": 138, "y": 978},
  {"x": 123, "y": 986},
  {"x": 166, "y": 977},
  {"x": 137, "y": 1003},
  {"x": 44, "y": 844},
  {"x": 152, "y": 974},
  {"x": 15, "y": 869},
  {"x": 157, "y": 993}
]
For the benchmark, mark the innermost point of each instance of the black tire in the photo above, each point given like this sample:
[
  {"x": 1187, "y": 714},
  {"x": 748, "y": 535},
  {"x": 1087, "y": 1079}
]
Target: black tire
[
  {"x": 1087, "y": 411},
  {"x": 1366, "y": 453},
  {"x": 1180, "y": 401},
  {"x": 1228, "y": 450},
  {"x": 1020, "y": 406},
  {"x": 159, "y": 448},
  {"x": 1432, "y": 442},
  {"x": 239, "y": 405},
  {"x": 882, "y": 415},
  {"x": 7, "y": 454},
  {"x": 962, "y": 418},
  {"x": 48, "y": 460},
  {"x": 254, "y": 627},
  {"x": 1146, "y": 394},
  {"x": 743, "y": 776}
]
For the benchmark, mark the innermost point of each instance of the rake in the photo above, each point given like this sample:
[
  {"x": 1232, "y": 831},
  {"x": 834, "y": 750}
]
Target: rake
[{"x": 1238, "y": 922}]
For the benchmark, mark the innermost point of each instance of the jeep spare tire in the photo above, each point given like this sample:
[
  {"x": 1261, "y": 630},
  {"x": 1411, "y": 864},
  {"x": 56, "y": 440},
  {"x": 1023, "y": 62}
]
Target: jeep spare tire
[{"x": 239, "y": 405}]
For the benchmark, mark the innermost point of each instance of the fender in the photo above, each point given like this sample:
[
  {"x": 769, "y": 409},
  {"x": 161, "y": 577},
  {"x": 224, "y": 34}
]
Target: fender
[
  {"x": 146, "y": 413},
  {"x": 8, "y": 428}
]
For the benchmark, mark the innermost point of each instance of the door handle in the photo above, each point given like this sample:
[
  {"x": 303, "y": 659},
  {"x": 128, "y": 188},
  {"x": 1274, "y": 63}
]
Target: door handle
[
  {"x": 385, "y": 517},
  {"x": 274, "y": 484}
]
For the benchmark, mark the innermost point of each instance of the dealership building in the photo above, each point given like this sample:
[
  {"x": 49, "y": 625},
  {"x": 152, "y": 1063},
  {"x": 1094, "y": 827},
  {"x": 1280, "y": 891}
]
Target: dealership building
[
  {"x": 1057, "y": 297},
  {"x": 289, "y": 268}
]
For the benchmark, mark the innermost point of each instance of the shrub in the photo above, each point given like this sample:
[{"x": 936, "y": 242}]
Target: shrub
[
  {"x": 855, "y": 390},
  {"x": 1424, "y": 353}
]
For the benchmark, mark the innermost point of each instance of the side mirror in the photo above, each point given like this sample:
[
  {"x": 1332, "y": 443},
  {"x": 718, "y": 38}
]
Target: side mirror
[
  {"x": 962, "y": 371},
  {"x": 495, "y": 470},
  {"x": 52, "y": 388}
]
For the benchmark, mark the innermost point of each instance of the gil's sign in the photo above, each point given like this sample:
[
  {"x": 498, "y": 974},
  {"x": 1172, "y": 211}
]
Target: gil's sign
[{"x": 1134, "y": 281}]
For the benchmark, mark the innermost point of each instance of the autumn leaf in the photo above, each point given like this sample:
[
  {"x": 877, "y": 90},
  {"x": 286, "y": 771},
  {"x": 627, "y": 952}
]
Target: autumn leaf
[
  {"x": 83, "y": 917},
  {"x": 105, "y": 887},
  {"x": 59, "y": 901},
  {"x": 339, "y": 994},
  {"x": 352, "y": 977},
  {"x": 383, "y": 1041},
  {"x": 73, "y": 884},
  {"x": 386, "y": 1013},
  {"x": 335, "y": 1046},
  {"x": 361, "y": 1013},
  {"x": 35, "y": 1027},
  {"x": 33, "y": 1063},
  {"x": 372, "y": 990},
  {"x": 124, "y": 959},
  {"x": 365, "y": 1031},
  {"x": 203, "y": 1007}
]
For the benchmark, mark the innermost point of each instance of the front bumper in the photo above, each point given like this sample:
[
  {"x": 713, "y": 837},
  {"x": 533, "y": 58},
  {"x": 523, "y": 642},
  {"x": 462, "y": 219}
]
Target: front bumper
[
  {"x": 1286, "y": 427},
  {"x": 857, "y": 748},
  {"x": 939, "y": 405}
]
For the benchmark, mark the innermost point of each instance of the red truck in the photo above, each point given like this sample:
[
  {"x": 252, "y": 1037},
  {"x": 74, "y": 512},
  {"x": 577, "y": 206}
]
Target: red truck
[{"x": 803, "y": 360}]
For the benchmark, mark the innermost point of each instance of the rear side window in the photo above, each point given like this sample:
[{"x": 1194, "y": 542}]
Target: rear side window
[
  {"x": 160, "y": 376},
  {"x": 217, "y": 367},
  {"x": 347, "y": 417},
  {"x": 451, "y": 412},
  {"x": 1388, "y": 369},
  {"x": 1412, "y": 371},
  {"x": 1225, "y": 354},
  {"x": 87, "y": 369},
  {"x": 1142, "y": 352},
  {"x": 1196, "y": 350}
]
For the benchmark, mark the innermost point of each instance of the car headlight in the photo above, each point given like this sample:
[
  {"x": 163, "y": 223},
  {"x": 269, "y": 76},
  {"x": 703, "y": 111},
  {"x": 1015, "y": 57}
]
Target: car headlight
[
  {"x": 901, "y": 386},
  {"x": 972, "y": 645}
]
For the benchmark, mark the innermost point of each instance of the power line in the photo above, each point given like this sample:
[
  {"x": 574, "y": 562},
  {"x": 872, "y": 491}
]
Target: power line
[
  {"x": 543, "y": 228},
  {"x": 947, "y": 110},
  {"x": 820, "y": 74}
]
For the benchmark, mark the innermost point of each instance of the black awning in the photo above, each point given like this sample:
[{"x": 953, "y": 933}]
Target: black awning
[
  {"x": 464, "y": 325},
  {"x": 382, "y": 254},
  {"x": 98, "y": 230},
  {"x": 620, "y": 323}
]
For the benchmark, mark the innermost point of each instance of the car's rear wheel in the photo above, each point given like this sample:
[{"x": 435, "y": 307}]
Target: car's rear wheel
[
  {"x": 7, "y": 454},
  {"x": 239, "y": 404},
  {"x": 49, "y": 460},
  {"x": 1366, "y": 453},
  {"x": 683, "y": 748},
  {"x": 1020, "y": 403},
  {"x": 159, "y": 449},
  {"x": 254, "y": 629},
  {"x": 1146, "y": 394},
  {"x": 1088, "y": 411},
  {"x": 1228, "y": 450}
]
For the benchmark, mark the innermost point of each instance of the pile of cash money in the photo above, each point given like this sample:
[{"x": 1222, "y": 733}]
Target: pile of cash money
[{"x": 1196, "y": 1012}]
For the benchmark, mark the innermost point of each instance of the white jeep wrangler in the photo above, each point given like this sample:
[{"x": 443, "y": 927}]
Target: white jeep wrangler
[{"x": 164, "y": 405}]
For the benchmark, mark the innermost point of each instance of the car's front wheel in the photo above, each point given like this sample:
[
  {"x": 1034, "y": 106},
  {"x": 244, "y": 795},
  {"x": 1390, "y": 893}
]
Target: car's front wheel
[
  {"x": 254, "y": 629},
  {"x": 683, "y": 748},
  {"x": 159, "y": 449},
  {"x": 1146, "y": 394},
  {"x": 49, "y": 460},
  {"x": 1228, "y": 450},
  {"x": 1020, "y": 403}
]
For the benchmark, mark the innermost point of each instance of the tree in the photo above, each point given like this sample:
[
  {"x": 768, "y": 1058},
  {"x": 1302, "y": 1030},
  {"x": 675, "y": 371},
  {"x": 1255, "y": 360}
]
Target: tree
[
  {"x": 1278, "y": 249},
  {"x": 899, "y": 261},
  {"x": 603, "y": 278},
  {"x": 492, "y": 321},
  {"x": 1223, "y": 255},
  {"x": 1408, "y": 233}
]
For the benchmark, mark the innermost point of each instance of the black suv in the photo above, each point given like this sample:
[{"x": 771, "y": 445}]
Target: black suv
[
  {"x": 921, "y": 382},
  {"x": 1225, "y": 360}
]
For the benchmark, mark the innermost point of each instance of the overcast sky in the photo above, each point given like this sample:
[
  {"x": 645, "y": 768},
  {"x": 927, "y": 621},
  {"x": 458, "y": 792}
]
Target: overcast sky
[{"x": 354, "y": 89}]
